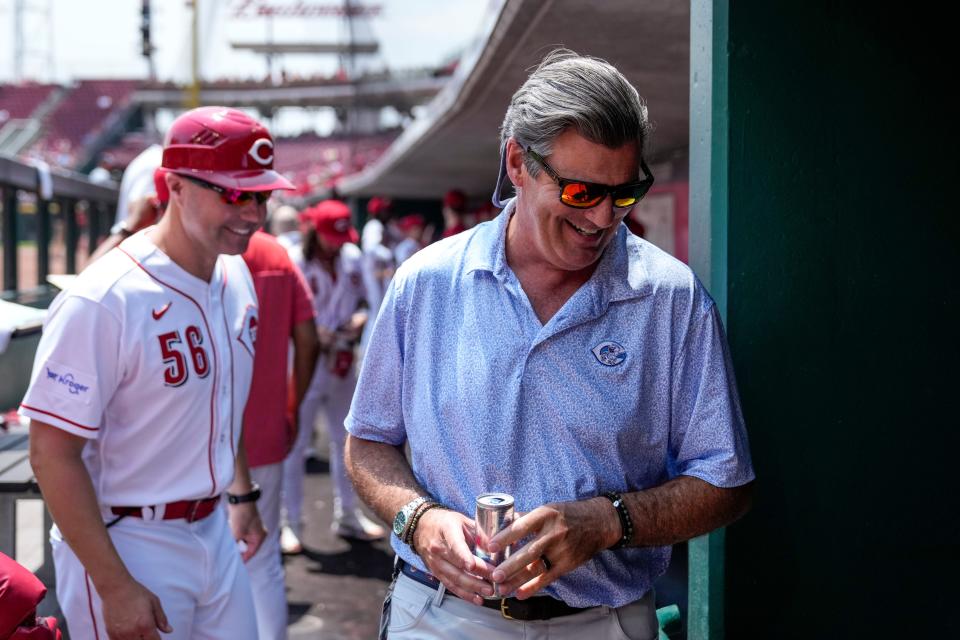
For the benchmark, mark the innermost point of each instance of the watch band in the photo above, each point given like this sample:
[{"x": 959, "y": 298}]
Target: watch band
[
  {"x": 626, "y": 524},
  {"x": 252, "y": 496}
]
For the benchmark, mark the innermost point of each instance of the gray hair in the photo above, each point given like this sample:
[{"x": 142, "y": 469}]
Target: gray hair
[{"x": 569, "y": 90}]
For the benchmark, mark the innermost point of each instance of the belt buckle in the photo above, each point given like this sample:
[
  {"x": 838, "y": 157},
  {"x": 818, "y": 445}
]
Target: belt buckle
[{"x": 503, "y": 609}]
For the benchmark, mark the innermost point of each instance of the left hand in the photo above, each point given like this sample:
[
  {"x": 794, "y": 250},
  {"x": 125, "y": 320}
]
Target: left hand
[
  {"x": 567, "y": 533},
  {"x": 246, "y": 525}
]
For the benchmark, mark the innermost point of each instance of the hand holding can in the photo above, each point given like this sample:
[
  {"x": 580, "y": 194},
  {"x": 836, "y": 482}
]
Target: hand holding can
[{"x": 494, "y": 512}]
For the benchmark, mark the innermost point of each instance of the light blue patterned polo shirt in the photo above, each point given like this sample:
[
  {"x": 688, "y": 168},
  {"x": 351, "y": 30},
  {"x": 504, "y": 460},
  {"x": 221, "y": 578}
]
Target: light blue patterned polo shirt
[{"x": 629, "y": 385}]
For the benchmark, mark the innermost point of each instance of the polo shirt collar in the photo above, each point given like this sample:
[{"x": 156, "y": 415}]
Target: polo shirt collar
[
  {"x": 487, "y": 250},
  {"x": 620, "y": 275}
]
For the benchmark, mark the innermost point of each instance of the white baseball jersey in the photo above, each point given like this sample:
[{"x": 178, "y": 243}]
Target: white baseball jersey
[
  {"x": 377, "y": 257},
  {"x": 153, "y": 365},
  {"x": 334, "y": 299}
]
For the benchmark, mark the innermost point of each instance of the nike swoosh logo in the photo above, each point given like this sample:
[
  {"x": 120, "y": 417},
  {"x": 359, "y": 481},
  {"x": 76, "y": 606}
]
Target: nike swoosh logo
[{"x": 158, "y": 313}]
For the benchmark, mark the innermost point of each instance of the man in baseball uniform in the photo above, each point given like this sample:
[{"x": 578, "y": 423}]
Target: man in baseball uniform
[
  {"x": 286, "y": 315},
  {"x": 136, "y": 403},
  {"x": 332, "y": 265}
]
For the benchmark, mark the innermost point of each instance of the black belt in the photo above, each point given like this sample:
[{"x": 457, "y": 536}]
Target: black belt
[{"x": 536, "y": 608}]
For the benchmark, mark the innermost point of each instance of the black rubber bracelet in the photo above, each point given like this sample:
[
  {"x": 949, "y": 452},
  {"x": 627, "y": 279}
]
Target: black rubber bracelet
[
  {"x": 253, "y": 496},
  {"x": 626, "y": 524}
]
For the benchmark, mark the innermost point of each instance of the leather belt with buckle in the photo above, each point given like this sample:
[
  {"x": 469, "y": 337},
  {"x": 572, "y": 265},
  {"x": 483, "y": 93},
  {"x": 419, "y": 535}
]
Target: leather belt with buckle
[
  {"x": 189, "y": 510},
  {"x": 535, "y": 608}
]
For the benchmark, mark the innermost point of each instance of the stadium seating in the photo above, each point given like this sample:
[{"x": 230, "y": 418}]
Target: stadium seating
[
  {"x": 20, "y": 101},
  {"x": 87, "y": 109},
  {"x": 80, "y": 116}
]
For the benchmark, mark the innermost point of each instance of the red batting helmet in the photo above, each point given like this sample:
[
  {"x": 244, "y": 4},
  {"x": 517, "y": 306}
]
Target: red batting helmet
[{"x": 223, "y": 146}]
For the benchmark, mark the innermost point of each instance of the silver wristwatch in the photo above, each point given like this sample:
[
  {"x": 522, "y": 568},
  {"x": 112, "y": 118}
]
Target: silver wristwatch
[{"x": 406, "y": 512}]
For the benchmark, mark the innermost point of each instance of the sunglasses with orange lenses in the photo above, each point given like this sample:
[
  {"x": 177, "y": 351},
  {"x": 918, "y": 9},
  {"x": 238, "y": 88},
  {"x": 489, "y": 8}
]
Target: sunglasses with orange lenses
[
  {"x": 583, "y": 195},
  {"x": 233, "y": 197}
]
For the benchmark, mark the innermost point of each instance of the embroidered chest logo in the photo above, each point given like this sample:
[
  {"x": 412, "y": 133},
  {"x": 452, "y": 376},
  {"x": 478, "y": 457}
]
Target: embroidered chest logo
[
  {"x": 67, "y": 380},
  {"x": 609, "y": 353},
  {"x": 158, "y": 313}
]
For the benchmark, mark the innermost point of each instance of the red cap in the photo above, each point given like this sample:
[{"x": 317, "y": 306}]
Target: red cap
[
  {"x": 410, "y": 221},
  {"x": 331, "y": 219},
  {"x": 378, "y": 205},
  {"x": 225, "y": 147},
  {"x": 455, "y": 199}
]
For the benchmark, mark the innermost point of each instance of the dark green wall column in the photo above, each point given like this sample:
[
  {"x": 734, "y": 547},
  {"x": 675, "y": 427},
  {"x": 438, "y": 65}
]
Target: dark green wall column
[
  {"x": 835, "y": 190},
  {"x": 709, "y": 115}
]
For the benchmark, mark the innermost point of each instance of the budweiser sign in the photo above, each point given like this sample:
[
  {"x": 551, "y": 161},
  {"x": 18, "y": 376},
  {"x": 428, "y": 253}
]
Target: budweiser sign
[{"x": 299, "y": 9}]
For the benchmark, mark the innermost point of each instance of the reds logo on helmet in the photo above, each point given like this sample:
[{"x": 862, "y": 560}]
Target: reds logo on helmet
[{"x": 258, "y": 154}]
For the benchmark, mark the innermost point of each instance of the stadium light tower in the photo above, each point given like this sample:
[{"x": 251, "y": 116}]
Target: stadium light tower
[
  {"x": 27, "y": 43},
  {"x": 193, "y": 95},
  {"x": 146, "y": 44}
]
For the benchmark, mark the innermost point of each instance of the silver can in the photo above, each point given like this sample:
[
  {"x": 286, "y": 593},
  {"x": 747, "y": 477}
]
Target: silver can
[{"x": 494, "y": 512}]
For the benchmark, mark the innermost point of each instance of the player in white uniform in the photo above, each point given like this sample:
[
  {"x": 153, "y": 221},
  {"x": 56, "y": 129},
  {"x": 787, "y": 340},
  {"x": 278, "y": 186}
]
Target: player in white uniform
[
  {"x": 332, "y": 265},
  {"x": 137, "y": 180},
  {"x": 137, "y": 398},
  {"x": 378, "y": 259}
]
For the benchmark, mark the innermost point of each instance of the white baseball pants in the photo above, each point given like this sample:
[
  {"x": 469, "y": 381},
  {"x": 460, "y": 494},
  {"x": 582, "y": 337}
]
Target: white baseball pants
[
  {"x": 194, "y": 568},
  {"x": 266, "y": 566}
]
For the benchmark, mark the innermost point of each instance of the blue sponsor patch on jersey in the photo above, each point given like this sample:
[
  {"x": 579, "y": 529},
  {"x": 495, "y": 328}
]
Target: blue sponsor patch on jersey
[
  {"x": 609, "y": 353},
  {"x": 68, "y": 381}
]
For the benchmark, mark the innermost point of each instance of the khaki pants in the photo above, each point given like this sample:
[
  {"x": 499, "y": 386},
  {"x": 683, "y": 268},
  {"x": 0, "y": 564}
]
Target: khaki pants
[{"x": 418, "y": 611}]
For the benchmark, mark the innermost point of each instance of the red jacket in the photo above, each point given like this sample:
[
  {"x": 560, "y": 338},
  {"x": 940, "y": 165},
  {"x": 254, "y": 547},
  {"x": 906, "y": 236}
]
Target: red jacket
[{"x": 20, "y": 593}]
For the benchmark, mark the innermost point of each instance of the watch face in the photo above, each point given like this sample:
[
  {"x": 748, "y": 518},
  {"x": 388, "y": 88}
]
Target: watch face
[{"x": 399, "y": 522}]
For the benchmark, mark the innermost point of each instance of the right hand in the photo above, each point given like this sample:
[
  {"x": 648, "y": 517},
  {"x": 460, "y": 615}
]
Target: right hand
[
  {"x": 441, "y": 541},
  {"x": 132, "y": 612}
]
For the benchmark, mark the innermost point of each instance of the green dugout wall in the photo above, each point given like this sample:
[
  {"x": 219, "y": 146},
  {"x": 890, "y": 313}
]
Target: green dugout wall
[{"x": 823, "y": 167}]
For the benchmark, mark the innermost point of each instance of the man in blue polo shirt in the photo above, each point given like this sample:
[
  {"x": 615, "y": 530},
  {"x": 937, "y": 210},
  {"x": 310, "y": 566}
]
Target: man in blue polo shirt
[{"x": 552, "y": 355}]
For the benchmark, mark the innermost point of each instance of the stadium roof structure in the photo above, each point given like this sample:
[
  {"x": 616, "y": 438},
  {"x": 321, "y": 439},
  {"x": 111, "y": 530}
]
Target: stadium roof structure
[
  {"x": 307, "y": 47},
  {"x": 403, "y": 92},
  {"x": 457, "y": 142}
]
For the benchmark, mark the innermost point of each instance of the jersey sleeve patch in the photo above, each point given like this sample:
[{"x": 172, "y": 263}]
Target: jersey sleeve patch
[
  {"x": 248, "y": 330},
  {"x": 67, "y": 382}
]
